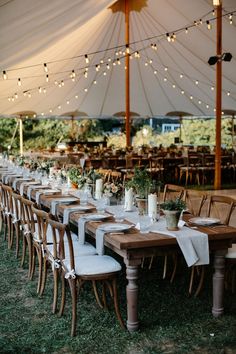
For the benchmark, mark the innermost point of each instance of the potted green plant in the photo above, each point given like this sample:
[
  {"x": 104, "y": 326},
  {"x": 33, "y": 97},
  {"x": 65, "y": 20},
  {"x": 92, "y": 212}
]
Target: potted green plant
[
  {"x": 141, "y": 183},
  {"x": 172, "y": 209}
]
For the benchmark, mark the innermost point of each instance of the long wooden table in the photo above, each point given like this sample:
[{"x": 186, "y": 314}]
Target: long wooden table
[{"x": 133, "y": 246}]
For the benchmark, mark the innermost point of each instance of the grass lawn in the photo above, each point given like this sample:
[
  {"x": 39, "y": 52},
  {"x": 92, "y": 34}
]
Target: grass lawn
[{"x": 171, "y": 322}]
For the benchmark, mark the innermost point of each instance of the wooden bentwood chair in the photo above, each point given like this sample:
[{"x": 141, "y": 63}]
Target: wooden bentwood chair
[{"x": 75, "y": 269}]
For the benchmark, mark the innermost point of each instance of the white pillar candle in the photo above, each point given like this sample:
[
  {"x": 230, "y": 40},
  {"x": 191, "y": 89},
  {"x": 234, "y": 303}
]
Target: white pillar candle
[
  {"x": 152, "y": 205},
  {"x": 98, "y": 188},
  {"x": 128, "y": 199}
]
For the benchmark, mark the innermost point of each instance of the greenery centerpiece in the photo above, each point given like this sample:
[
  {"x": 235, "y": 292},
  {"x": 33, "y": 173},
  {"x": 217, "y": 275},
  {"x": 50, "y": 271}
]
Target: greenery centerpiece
[
  {"x": 141, "y": 183},
  {"x": 172, "y": 209}
]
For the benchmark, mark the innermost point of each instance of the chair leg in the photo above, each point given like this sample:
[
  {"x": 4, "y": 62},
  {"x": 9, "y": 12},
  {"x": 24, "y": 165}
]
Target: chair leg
[
  {"x": 104, "y": 299},
  {"x": 116, "y": 304},
  {"x": 40, "y": 271},
  {"x": 165, "y": 267},
  {"x": 96, "y": 294},
  {"x": 199, "y": 288},
  {"x": 17, "y": 231},
  {"x": 175, "y": 260},
  {"x": 23, "y": 252},
  {"x": 191, "y": 280},
  {"x": 44, "y": 276},
  {"x": 63, "y": 294},
  {"x": 55, "y": 290},
  {"x": 30, "y": 253},
  {"x": 32, "y": 268},
  {"x": 72, "y": 284},
  {"x": 151, "y": 261}
]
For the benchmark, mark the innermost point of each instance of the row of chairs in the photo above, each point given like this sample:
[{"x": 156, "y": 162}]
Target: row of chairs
[
  {"x": 199, "y": 203},
  {"x": 51, "y": 243}
]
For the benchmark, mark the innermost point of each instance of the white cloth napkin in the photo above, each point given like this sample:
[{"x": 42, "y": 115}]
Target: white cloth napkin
[
  {"x": 24, "y": 184},
  {"x": 81, "y": 229},
  {"x": 100, "y": 241},
  {"x": 45, "y": 192},
  {"x": 68, "y": 211},
  {"x": 193, "y": 244},
  {"x": 129, "y": 199},
  {"x": 58, "y": 201},
  {"x": 16, "y": 180},
  {"x": 31, "y": 188}
]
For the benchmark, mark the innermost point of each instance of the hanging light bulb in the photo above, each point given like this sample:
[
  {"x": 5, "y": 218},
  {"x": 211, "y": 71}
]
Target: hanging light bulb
[
  {"x": 73, "y": 74},
  {"x": 94, "y": 82},
  {"x": 186, "y": 30},
  {"x": 86, "y": 58},
  {"x": 40, "y": 89},
  {"x": 67, "y": 102},
  {"x": 62, "y": 83},
  {"x": 19, "y": 82},
  {"x": 50, "y": 110},
  {"x": 109, "y": 60},
  {"x": 16, "y": 96},
  {"x": 230, "y": 19},
  {"x": 168, "y": 37},
  {"x": 212, "y": 88},
  {"x": 166, "y": 69},
  {"x": 209, "y": 26},
  {"x": 191, "y": 97},
  {"x": 44, "y": 90},
  {"x": 29, "y": 94},
  {"x": 207, "y": 106},
  {"x": 98, "y": 67},
  {"x": 47, "y": 78},
  {"x": 45, "y": 68},
  {"x": 76, "y": 97},
  {"x": 25, "y": 93},
  {"x": 196, "y": 82},
  {"x": 155, "y": 72},
  {"x": 181, "y": 76},
  {"x": 228, "y": 93},
  {"x": 86, "y": 74},
  {"x": 4, "y": 75},
  {"x": 216, "y": 2},
  {"x": 9, "y": 99},
  {"x": 108, "y": 67},
  {"x": 56, "y": 82},
  {"x": 127, "y": 49},
  {"x": 182, "y": 92},
  {"x": 118, "y": 61},
  {"x": 85, "y": 90}
]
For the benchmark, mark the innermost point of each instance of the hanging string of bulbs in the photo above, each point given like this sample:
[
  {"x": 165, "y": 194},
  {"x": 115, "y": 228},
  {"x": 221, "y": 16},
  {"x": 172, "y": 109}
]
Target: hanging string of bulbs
[{"x": 119, "y": 55}]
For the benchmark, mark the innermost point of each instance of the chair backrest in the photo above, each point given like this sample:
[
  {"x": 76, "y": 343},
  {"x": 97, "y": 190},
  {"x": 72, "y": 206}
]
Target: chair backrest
[
  {"x": 42, "y": 222},
  {"x": 172, "y": 191},
  {"x": 221, "y": 207},
  {"x": 7, "y": 198},
  {"x": 27, "y": 214},
  {"x": 57, "y": 228},
  {"x": 17, "y": 206},
  {"x": 194, "y": 200}
]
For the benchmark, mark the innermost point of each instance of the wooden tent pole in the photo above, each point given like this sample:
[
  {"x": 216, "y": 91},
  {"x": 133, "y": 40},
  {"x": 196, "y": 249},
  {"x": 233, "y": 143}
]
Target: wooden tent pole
[
  {"x": 21, "y": 135},
  {"x": 127, "y": 75},
  {"x": 217, "y": 181}
]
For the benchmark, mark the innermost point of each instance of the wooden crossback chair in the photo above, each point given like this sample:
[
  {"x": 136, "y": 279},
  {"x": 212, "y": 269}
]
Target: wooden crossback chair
[{"x": 87, "y": 268}]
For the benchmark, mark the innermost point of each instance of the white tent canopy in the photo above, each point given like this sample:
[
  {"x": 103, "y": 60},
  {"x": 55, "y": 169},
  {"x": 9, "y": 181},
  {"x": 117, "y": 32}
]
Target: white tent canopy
[{"x": 59, "y": 33}]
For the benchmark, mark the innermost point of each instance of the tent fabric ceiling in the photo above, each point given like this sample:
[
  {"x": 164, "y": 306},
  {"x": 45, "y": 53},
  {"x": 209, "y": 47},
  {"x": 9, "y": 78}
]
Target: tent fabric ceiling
[{"x": 175, "y": 77}]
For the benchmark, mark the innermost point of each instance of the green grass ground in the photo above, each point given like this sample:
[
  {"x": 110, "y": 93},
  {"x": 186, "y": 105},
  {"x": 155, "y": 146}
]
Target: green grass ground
[{"x": 171, "y": 322}]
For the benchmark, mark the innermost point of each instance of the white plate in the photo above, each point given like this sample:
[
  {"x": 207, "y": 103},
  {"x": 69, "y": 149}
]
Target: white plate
[
  {"x": 204, "y": 221},
  {"x": 115, "y": 227},
  {"x": 97, "y": 216}
]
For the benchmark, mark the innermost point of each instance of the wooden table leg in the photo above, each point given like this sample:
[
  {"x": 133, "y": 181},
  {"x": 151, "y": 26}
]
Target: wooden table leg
[
  {"x": 218, "y": 283},
  {"x": 132, "y": 297}
]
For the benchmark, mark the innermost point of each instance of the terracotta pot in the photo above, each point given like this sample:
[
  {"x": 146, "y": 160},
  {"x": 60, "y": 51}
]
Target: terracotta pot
[{"x": 172, "y": 219}]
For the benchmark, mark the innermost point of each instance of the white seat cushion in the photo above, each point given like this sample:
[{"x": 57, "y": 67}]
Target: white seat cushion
[
  {"x": 231, "y": 252},
  {"x": 94, "y": 265},
  {"x": 79, "y": 250},
  {"x": 74, "y": 237}
]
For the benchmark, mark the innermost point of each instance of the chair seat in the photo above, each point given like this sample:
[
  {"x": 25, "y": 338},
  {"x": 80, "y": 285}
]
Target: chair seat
[
  {"x": 79, "y": 250},
  {"x": 94, "y": 265},
  {"x": 231, "y": 252}
]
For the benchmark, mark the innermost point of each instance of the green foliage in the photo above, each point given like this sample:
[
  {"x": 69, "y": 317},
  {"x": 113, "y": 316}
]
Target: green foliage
[
  {"x": 141, "y": 182},
  {"x": 74, "y": 174},
  {"x": 174, "y": 204}
]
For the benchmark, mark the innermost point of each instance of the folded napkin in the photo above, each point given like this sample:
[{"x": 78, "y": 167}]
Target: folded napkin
[
  {"x": 55, "y": 203},
  {"x": 16, "y": 180},
  {"x": 44, "y": 192},
  {"x": 81, "y": 229},
  {"x": 100, "y": 233},
  {"x": 31, "y": 188},
  {"x": 193, "y": 244},
  {"x": 24, "y": 184},
  {"x": 11, "y": 175},
  {"x": 68, "y": 211}
]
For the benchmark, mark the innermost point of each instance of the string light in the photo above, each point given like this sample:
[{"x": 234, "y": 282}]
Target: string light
[
  {"x": 16, "y": 96},
  {"x": 40, "y": 89},
  {"x": 86, "y": 58},
  {"x": 228, "y": 93},
  {"x": 45, "y": 68},
  {"x": 186, "y": 30},
  {"x": 4, "y": 75},
  {"x": 86, "y": 74},
  {"x": 47, "y": 78},
  {"x": 97, "y": 67},
  {"x": 168, "y": 37},
  {"x": 231, "y": 19},
  {"x": 209, "y": 26},
  {"x": 127, "y": 49},
  {"x": 108, "y": 67},
  {"x": 19, "y": 82},
  {"x": 137, "y": 54},
  {"x": 118, "y": 61}
]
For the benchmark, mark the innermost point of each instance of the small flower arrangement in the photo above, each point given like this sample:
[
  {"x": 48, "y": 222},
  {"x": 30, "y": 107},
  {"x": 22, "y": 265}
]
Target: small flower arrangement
[{"x": 111, "y": 189}]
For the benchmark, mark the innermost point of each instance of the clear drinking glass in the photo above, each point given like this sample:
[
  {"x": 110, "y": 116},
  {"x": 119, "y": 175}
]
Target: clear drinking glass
[
  {"x": 119, "y": 213},
  {"x": 145, "y": 222}
]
